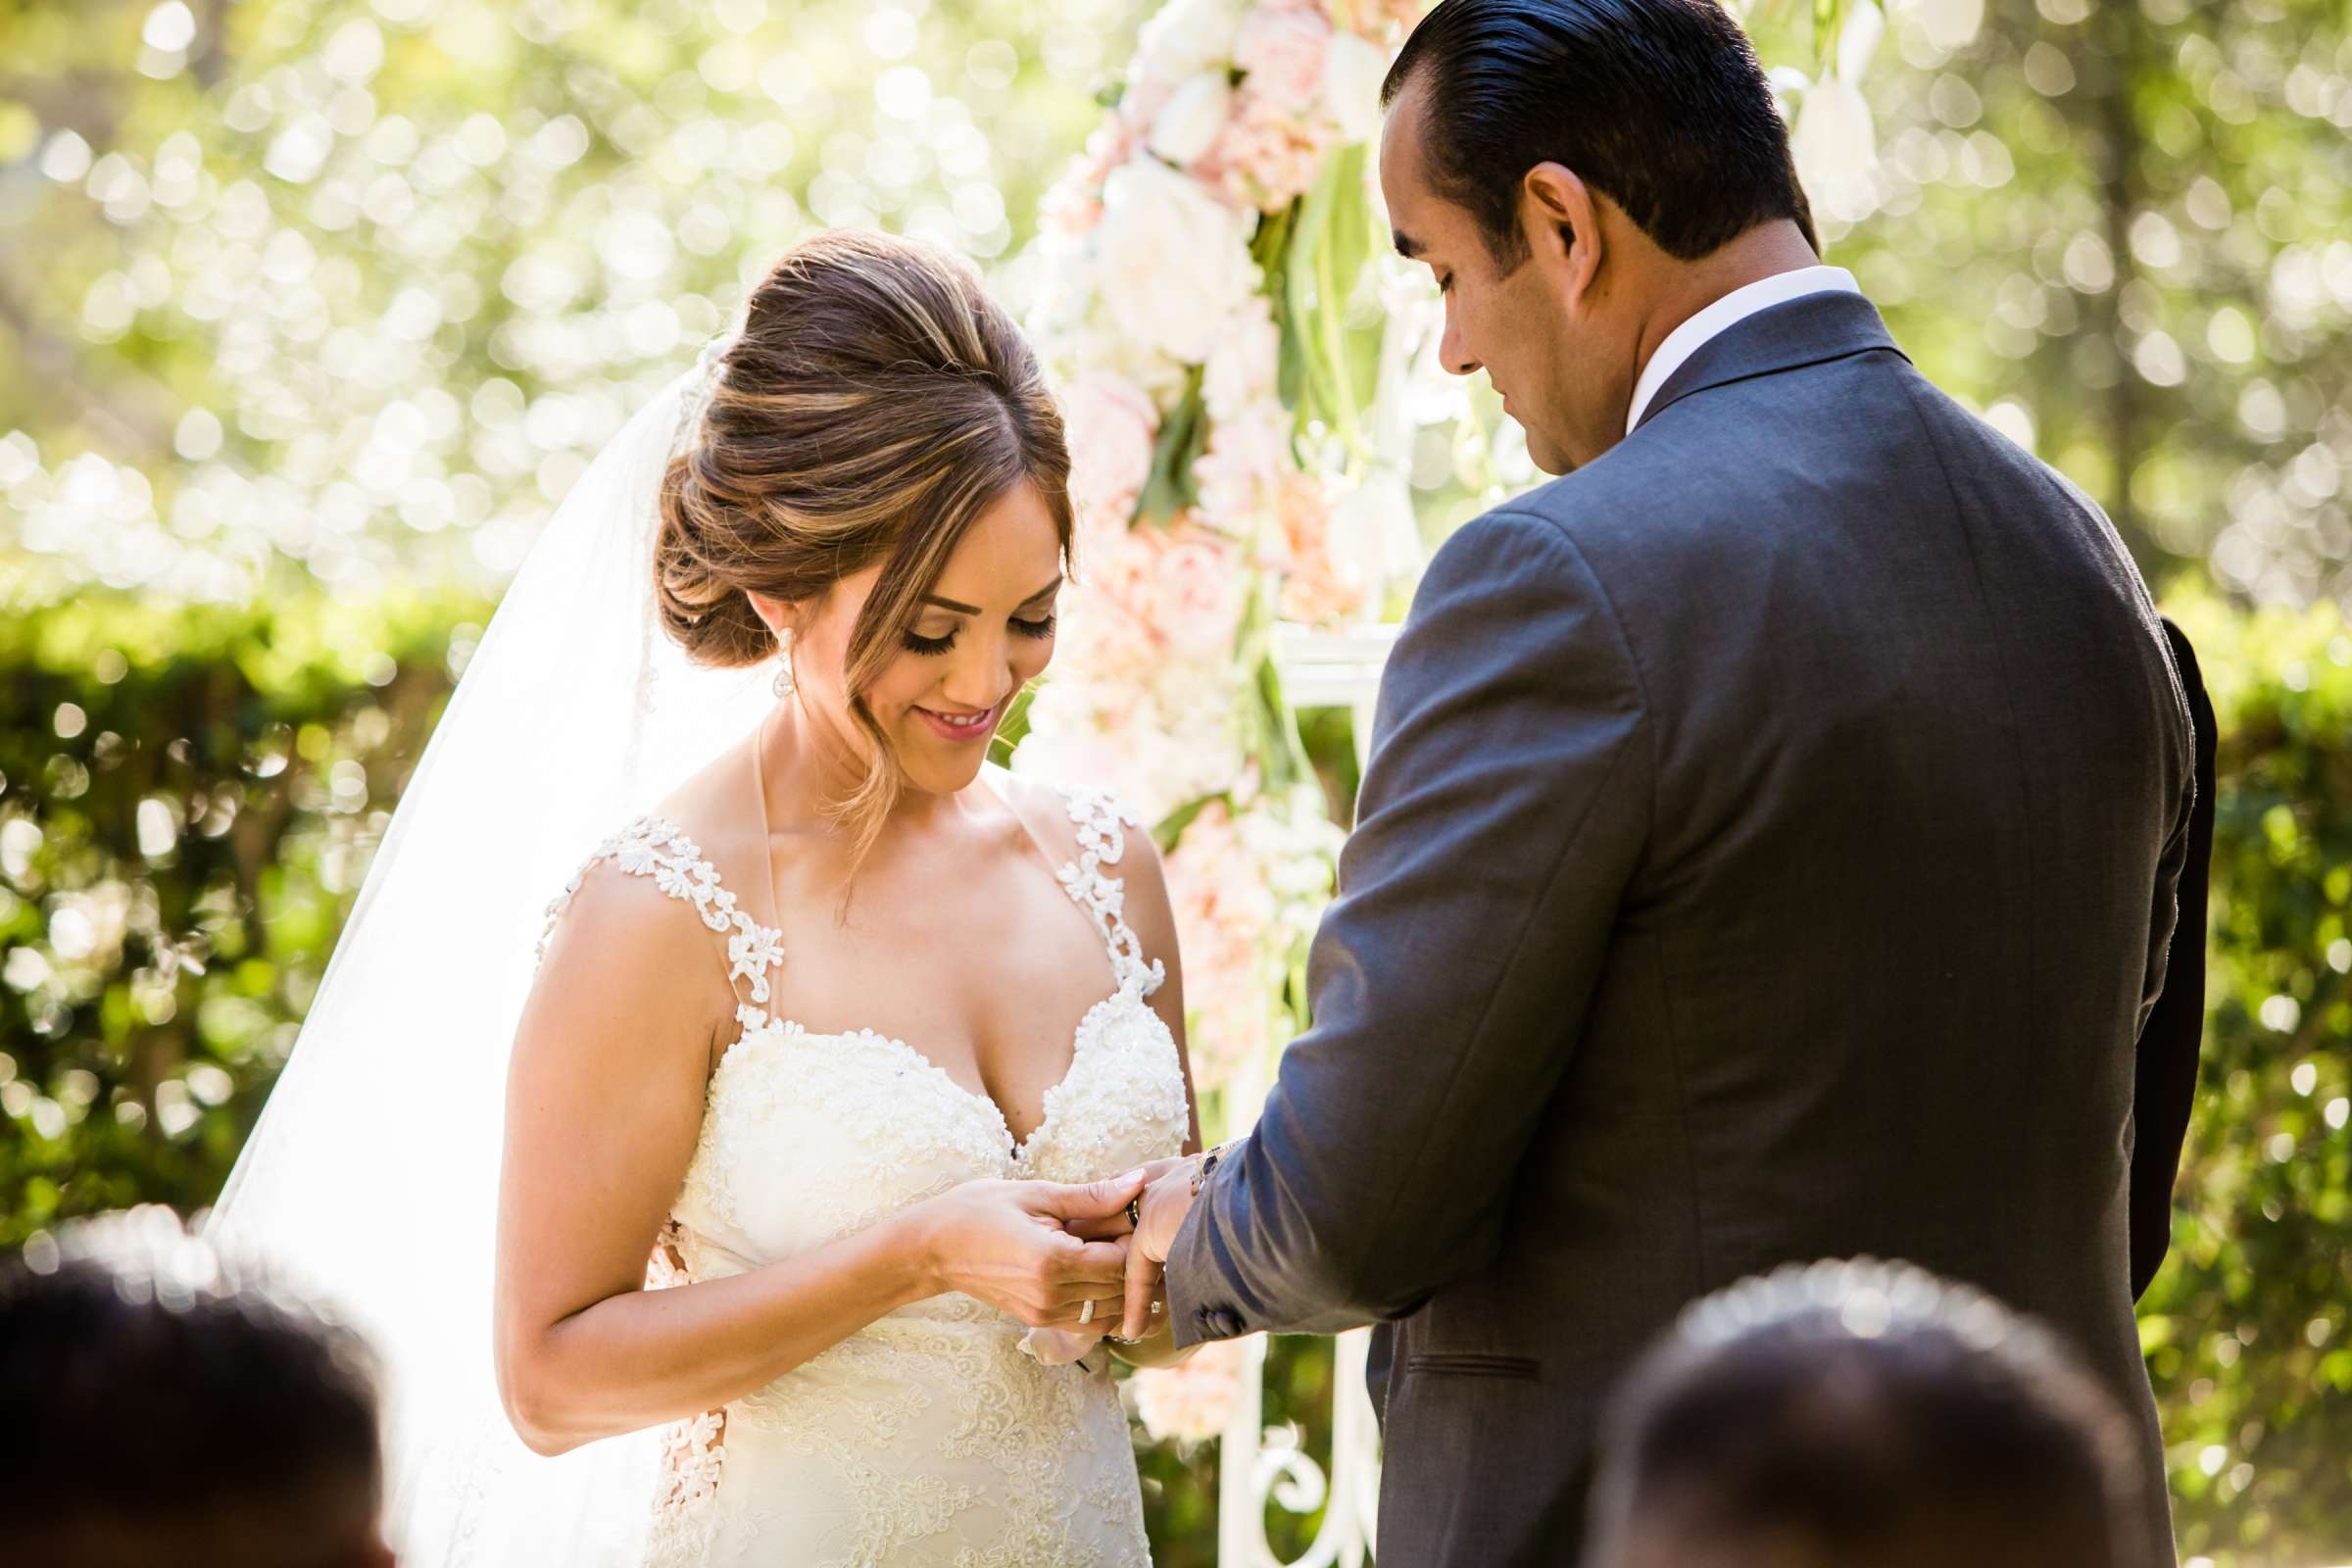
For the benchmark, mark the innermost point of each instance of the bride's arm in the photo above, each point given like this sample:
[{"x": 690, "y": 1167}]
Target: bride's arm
[
  {"x": 603, "y": 1104},
  {"x": 1153, "y": 920}
]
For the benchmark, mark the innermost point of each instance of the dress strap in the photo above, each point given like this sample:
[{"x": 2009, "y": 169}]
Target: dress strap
[
  {"x": 654, "y": 846},
  {"x": 1103, "y": 819}
]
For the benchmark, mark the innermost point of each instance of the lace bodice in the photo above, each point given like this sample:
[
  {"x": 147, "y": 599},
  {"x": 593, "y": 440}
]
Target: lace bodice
[{"x": 929, "y": 1437}]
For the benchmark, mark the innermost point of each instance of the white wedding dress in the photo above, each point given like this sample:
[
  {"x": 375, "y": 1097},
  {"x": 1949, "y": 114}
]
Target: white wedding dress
[{"x": 929, "y": 1437}]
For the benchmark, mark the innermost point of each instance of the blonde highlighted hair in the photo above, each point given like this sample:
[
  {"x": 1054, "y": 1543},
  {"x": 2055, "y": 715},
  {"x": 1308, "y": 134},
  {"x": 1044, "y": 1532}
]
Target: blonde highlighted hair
[{"x": 877, "y": 401}]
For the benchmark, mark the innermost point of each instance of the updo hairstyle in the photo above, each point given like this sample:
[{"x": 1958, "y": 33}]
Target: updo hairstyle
[{"x": 877, "y": 401}]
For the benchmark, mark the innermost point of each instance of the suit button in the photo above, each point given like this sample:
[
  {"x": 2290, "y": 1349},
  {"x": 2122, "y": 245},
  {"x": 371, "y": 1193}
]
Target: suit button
[{"x": 1219, "y": 1323}]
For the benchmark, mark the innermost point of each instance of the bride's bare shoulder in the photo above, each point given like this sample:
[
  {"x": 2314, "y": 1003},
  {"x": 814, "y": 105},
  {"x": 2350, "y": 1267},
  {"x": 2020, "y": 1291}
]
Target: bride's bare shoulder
[
  {"x": 621, "y": 910},
  {"x": 645, "y": 917},
  {"x": 626, "y": 896}
]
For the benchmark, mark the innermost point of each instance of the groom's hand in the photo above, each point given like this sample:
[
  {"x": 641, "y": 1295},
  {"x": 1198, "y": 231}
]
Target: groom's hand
[{"x": 1164, "y": 1205}]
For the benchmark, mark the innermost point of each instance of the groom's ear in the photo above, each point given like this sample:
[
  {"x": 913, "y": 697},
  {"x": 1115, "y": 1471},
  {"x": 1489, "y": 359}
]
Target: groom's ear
[{"x": 1560, "y": 219}]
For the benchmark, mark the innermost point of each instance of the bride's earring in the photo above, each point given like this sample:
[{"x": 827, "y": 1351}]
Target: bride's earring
[{"x": 783, "y": 681}]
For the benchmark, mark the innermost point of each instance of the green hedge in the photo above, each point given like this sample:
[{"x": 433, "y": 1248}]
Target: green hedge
[
  {"x": 188, "y": 802},
  {"x": 2246, "y": 1328},
  {"x": 188, "y": 798}
]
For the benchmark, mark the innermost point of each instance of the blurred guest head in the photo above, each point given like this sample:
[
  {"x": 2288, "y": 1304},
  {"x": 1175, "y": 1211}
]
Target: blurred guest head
[
  {"x": 159, "y": 1412},
  {"x": 1862, "y": 1415}
]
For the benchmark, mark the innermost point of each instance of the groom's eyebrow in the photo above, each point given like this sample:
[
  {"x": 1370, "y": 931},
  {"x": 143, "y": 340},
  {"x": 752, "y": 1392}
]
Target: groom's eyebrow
[
  {"x": 973, "y": 610},
  {"x": 1406, "y": 246}
]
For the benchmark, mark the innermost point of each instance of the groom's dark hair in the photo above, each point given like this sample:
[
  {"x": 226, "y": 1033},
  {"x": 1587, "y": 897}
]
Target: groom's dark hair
[{"x": 1660, "y": 105}]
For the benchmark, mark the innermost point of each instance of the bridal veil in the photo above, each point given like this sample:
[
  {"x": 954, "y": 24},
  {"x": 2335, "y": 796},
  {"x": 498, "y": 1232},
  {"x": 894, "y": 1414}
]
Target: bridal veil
[{"x": 371, "y": 1179}]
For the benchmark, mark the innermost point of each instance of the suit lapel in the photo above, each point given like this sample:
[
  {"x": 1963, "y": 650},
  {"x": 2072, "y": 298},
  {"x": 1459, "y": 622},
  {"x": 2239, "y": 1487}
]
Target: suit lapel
[{"x": 1807, "y": 330}]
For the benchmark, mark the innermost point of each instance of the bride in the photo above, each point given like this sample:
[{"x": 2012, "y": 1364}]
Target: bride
[{"x": 828, "y": 1074}]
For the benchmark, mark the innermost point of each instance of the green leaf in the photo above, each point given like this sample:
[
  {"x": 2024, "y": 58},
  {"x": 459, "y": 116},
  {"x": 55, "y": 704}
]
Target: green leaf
[
  {"x": 1183, "y": 437},
  {"x": 1825, "y": 14}
]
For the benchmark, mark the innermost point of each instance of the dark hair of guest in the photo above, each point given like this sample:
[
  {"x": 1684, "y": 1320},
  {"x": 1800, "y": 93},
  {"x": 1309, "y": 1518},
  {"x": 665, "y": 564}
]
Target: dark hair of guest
[
  {"x": 149, "y": 1423},
  {"x": 1659, "y": 105},
  {"x": 1864, "y": 1413}
]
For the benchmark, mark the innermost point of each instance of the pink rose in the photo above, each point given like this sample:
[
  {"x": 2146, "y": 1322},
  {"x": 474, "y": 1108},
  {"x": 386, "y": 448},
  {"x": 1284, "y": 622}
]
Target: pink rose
[
  {"x": 1112, "y": 425},
  {"x": 1281, "y": 49},
  {"x": 1192, "y": 1400},
  {"x": 1241, "y": 367},
  {"x": 1270, "y": 153},
  {"x": 1195, "y": 593},
  {"x": 1247, "y": 458}
]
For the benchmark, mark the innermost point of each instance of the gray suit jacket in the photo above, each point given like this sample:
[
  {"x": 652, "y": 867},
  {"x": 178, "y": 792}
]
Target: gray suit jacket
[{"x": 1767, "y": 853}]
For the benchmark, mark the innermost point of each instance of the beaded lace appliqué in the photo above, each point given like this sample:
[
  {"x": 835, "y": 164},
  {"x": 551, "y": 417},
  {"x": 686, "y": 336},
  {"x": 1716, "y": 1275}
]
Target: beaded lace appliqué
[
  {"x": 1102, "y": 821},
  {"x": 652, "y": 847}
]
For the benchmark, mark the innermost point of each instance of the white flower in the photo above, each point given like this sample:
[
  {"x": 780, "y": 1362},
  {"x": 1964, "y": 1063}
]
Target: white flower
[
  {"x": 1187, "y": 36},
  {"x": 1066, "y": 755},
  {"x": 1099, "y": 344},
  {"x": 1175, "y": 261},
  {"x": 1374, "y": 524},
  {"x": 1858, "y": 39},
  {"x": 1836, "y": 148},
  {"x": 1241, "y": 367},
  {"x": 1351, "y": 78},
  {"x": 1189, "y": 124},
  {"x": 1247, "y": 455}
]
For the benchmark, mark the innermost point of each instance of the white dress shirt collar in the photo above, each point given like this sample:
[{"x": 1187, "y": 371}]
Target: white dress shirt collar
[{"x": 1710, "y": 319}]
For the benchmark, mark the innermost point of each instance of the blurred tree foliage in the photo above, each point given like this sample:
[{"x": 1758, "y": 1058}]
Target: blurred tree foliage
[
  {"x": 188, "y": 800},
  {"x": 340, "y": 290},
  {"x": 2123, "y": 228},
  {"x": 2247, "y": 1327},
  {"x": 346, "y": 291}
]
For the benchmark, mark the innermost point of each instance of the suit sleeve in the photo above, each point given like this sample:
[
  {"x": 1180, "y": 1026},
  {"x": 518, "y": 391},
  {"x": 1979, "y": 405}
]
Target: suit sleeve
[
  {"x": 1505, "y": 805},
  {"x": 2165, "y": 1070}
]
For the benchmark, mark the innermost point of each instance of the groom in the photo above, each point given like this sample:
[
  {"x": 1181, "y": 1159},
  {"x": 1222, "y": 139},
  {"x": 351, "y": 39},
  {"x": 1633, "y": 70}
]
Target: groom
[{"x": 1770, "y": 843}]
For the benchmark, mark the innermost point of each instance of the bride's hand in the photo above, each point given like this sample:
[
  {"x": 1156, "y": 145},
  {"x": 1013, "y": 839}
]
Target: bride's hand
[{"x": 1012, "y": 1244}]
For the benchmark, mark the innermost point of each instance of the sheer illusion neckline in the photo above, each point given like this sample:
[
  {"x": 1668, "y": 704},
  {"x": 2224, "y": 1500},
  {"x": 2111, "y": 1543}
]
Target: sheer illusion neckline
[{"x": 1097, "y": 896}]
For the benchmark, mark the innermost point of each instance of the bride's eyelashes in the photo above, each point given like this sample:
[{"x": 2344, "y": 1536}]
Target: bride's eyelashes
[{"x": 915, "y": 643}]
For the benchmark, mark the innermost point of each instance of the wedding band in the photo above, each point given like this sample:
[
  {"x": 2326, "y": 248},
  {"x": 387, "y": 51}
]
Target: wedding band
[
  {"x": 1135, "y": 1212},
  {"x": 1086, "y": 1313}
]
